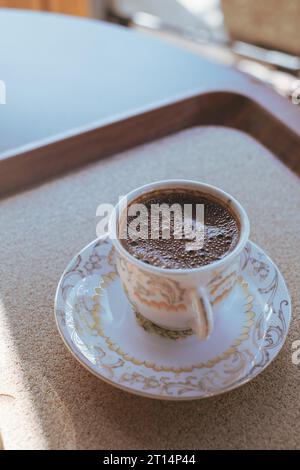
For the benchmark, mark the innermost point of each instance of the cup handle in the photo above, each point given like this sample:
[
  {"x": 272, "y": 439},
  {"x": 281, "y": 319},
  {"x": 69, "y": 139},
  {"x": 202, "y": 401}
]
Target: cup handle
[{"x": 202, "y": 323}]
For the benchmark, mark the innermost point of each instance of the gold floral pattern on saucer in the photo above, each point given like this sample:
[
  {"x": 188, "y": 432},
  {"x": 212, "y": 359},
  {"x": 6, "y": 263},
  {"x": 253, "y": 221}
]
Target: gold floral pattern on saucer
[{"x": 102, "y": 330}]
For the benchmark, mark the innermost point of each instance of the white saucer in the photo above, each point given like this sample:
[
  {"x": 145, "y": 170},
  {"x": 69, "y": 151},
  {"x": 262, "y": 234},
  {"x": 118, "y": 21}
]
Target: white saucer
[{"x": 102, "y": 331}]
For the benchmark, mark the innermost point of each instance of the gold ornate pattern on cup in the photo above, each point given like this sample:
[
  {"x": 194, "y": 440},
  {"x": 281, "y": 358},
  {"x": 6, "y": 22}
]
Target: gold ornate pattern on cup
[
  {"x": 151, "y": 327},
  {"x": 159, "y": 304},
  {"x": 167, "y": 294},
  {"x": 151, "y": 290}
]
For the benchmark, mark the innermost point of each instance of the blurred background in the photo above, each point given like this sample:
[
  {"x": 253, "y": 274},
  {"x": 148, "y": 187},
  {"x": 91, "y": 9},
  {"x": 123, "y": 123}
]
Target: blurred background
[{"x": 261, "y": 38}]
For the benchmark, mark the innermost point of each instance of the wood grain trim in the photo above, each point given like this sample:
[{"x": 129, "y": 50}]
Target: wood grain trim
[
  {"x": 70, "y": 7},
  {"x": 214, "y": 108}
]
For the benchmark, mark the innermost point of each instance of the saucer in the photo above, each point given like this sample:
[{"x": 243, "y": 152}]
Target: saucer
[{"x": 118, "y": 345}]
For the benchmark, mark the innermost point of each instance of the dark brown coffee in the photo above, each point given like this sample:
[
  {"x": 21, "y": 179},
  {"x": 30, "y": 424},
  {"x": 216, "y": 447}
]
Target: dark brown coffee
[{"x": 221, "y": 231}]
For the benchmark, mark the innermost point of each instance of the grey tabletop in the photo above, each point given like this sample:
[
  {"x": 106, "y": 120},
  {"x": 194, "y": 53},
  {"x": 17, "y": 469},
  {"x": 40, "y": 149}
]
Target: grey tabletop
[{"x": 62, "y": 73}]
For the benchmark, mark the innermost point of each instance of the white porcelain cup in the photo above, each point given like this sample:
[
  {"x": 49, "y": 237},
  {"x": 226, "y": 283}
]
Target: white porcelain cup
[{"x": 179, "y": 299}]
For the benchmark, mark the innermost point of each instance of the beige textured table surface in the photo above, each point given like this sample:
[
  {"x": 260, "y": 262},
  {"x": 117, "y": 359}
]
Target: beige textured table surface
[{"x": 48, "y": 399}]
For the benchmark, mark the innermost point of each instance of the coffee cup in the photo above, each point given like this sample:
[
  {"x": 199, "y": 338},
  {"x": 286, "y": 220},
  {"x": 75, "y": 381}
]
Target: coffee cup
[{"x": 178, "y": 299}]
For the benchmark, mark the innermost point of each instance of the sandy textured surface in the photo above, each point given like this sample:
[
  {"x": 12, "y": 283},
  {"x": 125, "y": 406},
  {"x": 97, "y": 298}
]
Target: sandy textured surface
[{"x": 48, "y": 399}]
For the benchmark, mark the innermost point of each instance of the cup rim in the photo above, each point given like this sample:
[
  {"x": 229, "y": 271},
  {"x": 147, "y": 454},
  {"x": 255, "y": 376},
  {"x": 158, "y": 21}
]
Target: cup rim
[{"x": 193, "y": 184}]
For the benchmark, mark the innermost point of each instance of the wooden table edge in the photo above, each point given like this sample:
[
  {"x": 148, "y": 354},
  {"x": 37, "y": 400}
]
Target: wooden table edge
[{"x": 258, "y": 111}]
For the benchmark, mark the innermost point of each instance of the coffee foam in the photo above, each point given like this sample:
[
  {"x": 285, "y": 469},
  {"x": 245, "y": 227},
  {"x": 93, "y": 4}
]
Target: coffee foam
[{"x": 221, "y": 232}]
